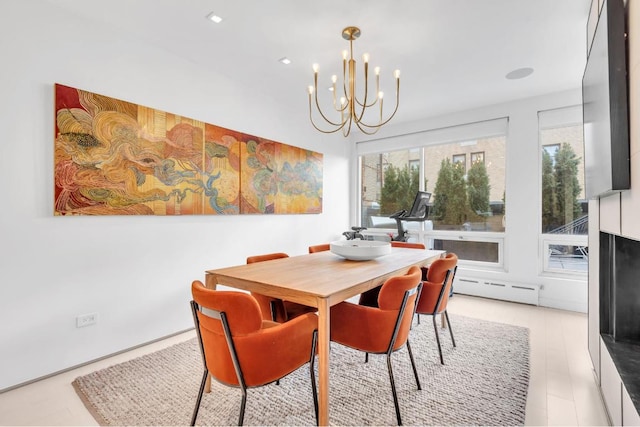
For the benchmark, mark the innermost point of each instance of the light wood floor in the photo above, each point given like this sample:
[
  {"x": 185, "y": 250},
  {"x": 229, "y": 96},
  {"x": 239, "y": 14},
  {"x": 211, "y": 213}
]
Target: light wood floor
[{"x": 562, "y": 389}]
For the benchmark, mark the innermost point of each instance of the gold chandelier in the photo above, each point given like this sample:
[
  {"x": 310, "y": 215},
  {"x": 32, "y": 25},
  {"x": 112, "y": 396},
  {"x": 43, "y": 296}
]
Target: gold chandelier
[{"x": 352, "y": 109}]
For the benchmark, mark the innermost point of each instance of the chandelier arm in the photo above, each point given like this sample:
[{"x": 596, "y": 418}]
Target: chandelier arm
[
  {"x": 320, "y": 111},
  {"x": 338, "y": 127},
  {"x": 347, "y": 130},
  {"x": 363, "y": 128},
  {"x": 390, "y": 117},
  {"x": 364, "y": 104}
]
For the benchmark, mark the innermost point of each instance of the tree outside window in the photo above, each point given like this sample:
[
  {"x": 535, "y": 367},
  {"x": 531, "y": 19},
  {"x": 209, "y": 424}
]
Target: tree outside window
[
  {"x": 461, "y": 161},
  {"x": 399, "y": 189},
  {"x": 560, "y": 189},
  {"x": 478, "y": 188}
]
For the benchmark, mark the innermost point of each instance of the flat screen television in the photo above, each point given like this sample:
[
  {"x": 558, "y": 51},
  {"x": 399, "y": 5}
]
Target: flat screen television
[{"x": 605, "y": 105}]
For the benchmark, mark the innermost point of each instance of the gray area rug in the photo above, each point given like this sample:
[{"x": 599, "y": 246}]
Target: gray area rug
[{"x": 484, "y": 382}]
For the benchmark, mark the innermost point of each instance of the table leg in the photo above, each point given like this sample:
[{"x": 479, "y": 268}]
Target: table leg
[
  {"x": 324, "y": 330},
  {"x": 210, "y": 281}
]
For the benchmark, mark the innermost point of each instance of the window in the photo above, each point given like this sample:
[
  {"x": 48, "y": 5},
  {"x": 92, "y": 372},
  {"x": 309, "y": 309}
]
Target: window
[
  {"x": 564, "y": 209},
  {"x": 393, "y": 190},
  {"x": 460, "y": 160},
  {"x": 551, "y": 150},
  {"x": 470, "y": 200},
  {"x": 466, "y": 212},
  {"x": 477, "y": 157}
]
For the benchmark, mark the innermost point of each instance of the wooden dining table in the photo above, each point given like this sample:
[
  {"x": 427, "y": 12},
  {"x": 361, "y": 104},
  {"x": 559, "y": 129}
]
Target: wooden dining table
[{"x": 320, "y": 280}]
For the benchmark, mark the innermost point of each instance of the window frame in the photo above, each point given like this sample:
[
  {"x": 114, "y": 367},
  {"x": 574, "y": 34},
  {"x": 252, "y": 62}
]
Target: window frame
[
  {"x": 553, "y": 119},
  {"x": 481, "y": 153}
]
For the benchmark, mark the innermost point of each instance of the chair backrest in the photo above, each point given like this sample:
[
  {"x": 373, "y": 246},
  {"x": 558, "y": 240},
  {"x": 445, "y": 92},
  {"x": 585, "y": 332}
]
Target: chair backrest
[
  {"x": 437, "y": 286},
  {"x": 266, "y": 257},
  {"x": 438, "y": 268},
  {"x": 395, "y": 244},
  {"x": 392, "y": 295},
  {"x": 319, "y": 248},
  {"x": 242, "y": 315},
  {"x": 271, "y": 309}
]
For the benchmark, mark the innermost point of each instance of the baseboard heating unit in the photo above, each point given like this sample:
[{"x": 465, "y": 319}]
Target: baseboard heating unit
[{"x": 516, "y": 292}]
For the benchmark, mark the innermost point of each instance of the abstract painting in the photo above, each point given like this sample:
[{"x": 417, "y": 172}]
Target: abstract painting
[{"x": 114, "y": 157}]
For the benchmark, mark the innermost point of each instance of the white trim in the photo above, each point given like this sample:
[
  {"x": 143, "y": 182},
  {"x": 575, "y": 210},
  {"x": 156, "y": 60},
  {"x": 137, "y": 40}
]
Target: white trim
[
  {"x": 463, "y": 132},
  {"x": 560, "y": 117}
]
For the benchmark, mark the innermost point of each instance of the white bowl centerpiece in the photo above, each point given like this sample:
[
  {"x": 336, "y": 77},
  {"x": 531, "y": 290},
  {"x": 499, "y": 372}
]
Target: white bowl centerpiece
[{"x": 360, "y": 250}]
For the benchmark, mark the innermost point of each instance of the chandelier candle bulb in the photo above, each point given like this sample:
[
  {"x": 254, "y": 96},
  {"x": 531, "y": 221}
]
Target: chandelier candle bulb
[{"x": 352, "y": 109}]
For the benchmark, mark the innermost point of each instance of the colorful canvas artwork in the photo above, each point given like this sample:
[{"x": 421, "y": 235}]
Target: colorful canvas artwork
[{"x": 114, "y": 157}]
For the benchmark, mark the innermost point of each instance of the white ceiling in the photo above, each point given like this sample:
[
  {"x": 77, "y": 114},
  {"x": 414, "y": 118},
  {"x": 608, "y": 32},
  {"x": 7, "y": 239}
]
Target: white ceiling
[{"x": 453, "y": 54}]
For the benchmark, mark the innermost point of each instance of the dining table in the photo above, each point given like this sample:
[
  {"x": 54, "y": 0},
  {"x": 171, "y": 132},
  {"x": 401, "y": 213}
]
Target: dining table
[{"x": 320, "y": 280}]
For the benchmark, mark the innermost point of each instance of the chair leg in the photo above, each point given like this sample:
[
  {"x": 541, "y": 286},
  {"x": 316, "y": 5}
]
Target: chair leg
[
  {"x": 393, "y": 390},
  {"x": 413, "y": 365},
  {"x": 242, "y": 406},
  {"x": 313, "y": 374},
  {"x": 274, "y": 316},
  {"x": 435, "y": 328},
  {"x": 199, "y": 399},
  {"x": 366, "y": 357},
  {"x": 450, "y": 330}
]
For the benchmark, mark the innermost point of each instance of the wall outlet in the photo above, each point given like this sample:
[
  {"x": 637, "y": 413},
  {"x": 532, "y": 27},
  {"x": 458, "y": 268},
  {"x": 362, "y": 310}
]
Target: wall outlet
[{"x": 83, "y": 320}]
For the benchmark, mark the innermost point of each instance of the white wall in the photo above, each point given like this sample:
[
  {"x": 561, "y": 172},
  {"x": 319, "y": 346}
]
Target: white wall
[
  {"x": 135, "y": 272},
  {"x": 523, "y": 200}
]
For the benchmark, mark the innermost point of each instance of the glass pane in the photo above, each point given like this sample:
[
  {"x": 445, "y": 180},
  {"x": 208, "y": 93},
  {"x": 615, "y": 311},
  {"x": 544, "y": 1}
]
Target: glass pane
[
  {"x": 564, "y": 208},
  {"x": 390, "y": 182},
  {"x": 568, "y": 258},
  {"x": 470, "y": 250},
  {"x": 467, "y": 180}
]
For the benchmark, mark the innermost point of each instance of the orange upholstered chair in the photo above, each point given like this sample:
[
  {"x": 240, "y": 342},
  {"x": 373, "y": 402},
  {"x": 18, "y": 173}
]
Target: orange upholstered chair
[
  {"x": 407, "y": 245},
  {"x": 240, "y": 349},
  {"x": 383, "y": 329},
  {"x": 370, "y": 297},
  {"x": 436, "y": 287},
  {"x": 319, "y": 248},
  {"x": 273, "y": 308}
]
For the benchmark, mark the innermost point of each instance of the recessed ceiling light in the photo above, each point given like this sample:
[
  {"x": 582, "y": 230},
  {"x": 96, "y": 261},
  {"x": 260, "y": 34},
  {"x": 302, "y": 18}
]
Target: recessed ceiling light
[
  {"x": 520, "y": 73},
  {"x": 215, "y": 18},
  {"x": 285, "y": 60}
]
